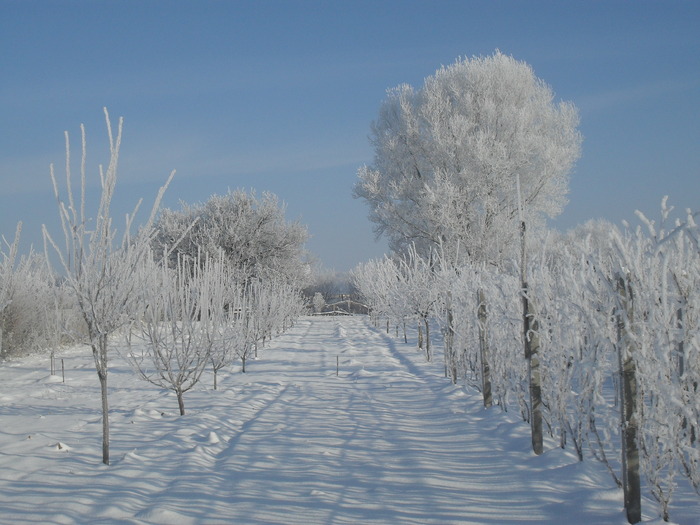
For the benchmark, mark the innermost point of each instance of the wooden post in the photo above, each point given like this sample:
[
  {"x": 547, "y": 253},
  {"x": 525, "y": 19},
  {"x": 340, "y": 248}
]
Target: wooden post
[
  {"x": 63, "y": 370},
  {"x": 629, "y": 409},
  {"x": 484, "y": 351}
]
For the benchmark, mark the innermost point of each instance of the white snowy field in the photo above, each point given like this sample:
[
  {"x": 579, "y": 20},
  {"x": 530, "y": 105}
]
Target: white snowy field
[{"x": 387, "y": 441}]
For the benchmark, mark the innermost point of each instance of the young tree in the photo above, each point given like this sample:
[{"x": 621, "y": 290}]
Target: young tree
[
  {"x": 447, "y": 156},
  {"x": 229, "y": 333},
  {"x": 419, "y": 288},
  {"x": 104, "y": 274},
  {"x": 183, "y": 318}
]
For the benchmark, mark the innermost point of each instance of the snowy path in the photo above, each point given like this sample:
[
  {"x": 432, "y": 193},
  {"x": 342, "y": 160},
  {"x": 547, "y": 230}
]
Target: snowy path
[{"x": 387, "y": 441}]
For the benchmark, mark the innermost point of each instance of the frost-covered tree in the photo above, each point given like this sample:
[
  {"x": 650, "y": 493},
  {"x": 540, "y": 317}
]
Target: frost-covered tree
[
  {"x": 229, "y": 330},
  {"x": 104, "y": 273},
  {"x": 417, "y": 286},
  {"x": 31, "y": 322},
  {"x": 272, "y": 306},
  {"x": 183, "y": 319},
  {"x": 376, "y": 281},
  {"x": 7, "y": 278},
  {"x": 256, "y": 239},
  {"x": 318, "y": 302},
  {"x": 447, "y": 157}
]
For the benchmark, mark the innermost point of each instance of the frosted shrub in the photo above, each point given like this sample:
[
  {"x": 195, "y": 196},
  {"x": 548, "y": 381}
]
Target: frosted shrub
[{"x": 29, "y": 319}]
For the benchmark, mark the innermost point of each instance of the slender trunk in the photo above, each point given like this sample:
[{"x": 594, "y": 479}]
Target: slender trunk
[
  {"x": 630, "y": 413},
  {"x": 535, "y": 386},
  {"x": 681, "y": 343},
  {"x": 405, "y": 335},
  {"x": 180, "y": 401},
  {"x": 99, "y": 353},
  {"x": 105, "y": 418},
  {"x": 532, "y": 349},
  {"x": 420, "y": 335},
  {"x": 243, "y": 364},
  {"x": 484, "y": 349},
  {"x": 427, "y": 339},
  {"x": 215, "y": 370},
  {"x": 2, "y": 350},
  {"x": 450, "y": 360}
]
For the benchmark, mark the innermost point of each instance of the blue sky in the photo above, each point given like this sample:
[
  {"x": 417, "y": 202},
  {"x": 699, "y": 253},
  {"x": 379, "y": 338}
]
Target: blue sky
[{"x": 279, "y": 96}]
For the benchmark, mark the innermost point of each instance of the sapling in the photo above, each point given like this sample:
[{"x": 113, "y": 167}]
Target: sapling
[{"x": 103, "y": 272}]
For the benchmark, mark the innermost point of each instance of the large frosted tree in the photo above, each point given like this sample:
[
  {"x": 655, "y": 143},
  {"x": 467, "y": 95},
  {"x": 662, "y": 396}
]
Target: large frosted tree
[
  {"x": 253, "y": 234},
  {"x": 448, "y": 157}
]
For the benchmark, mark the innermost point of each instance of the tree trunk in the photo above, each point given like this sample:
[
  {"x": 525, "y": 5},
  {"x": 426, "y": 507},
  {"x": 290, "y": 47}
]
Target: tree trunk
[
  {"x": 428, "y": 356},
  {"x": 484, "y": 349},
  {"x": 681, "y": 343},
  {"x": 215, "y": 378},
  {"x": 99, "y": 353},
  {"x": 243, "y": 364},
  {"x": 450, "y": 360},
  {"x": 180, "y": 401},
  {"x": 420, "y": 335},
  {"x": 629, "y": 396},
  {"x": 532, "y": 348}
]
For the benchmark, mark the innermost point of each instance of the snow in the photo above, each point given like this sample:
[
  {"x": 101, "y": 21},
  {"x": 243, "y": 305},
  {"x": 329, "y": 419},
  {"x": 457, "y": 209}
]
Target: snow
[{"x": 388, "y": 440}]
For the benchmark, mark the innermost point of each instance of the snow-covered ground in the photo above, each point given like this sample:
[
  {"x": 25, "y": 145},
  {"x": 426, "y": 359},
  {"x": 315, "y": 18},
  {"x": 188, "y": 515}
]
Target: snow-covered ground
[{"x": 386, "y": 441}]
